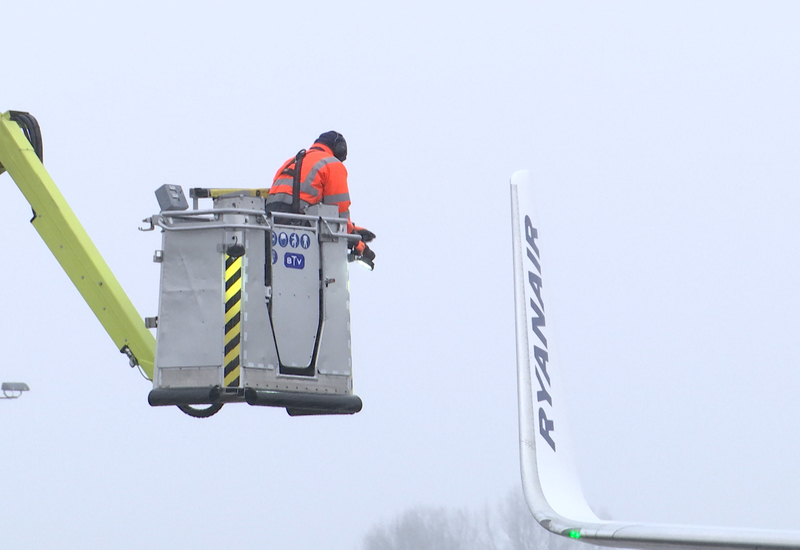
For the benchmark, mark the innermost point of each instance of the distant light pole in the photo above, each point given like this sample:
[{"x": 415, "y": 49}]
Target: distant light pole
[{"x": 12, "y": 390}]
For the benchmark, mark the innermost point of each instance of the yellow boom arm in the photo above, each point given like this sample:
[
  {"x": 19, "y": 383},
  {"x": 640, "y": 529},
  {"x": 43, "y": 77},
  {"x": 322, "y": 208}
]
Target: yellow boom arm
[{"x": 70, "y": 244}]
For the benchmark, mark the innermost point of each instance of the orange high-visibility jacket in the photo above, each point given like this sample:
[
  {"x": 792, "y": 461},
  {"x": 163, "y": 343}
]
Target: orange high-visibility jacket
[{"x": 323, "y": 178}]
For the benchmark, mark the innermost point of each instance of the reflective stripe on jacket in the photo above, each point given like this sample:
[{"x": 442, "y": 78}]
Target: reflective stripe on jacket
[{"x": 323, "y": 178}]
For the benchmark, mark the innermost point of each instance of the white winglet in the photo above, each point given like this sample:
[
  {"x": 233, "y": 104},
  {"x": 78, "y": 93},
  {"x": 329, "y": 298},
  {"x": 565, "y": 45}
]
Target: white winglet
[{"x": 549, "y": 478}]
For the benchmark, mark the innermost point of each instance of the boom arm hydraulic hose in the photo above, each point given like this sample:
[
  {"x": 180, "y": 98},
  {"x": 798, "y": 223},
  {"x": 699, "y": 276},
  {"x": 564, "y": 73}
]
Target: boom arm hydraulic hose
[{"x": 21, "y": 156}]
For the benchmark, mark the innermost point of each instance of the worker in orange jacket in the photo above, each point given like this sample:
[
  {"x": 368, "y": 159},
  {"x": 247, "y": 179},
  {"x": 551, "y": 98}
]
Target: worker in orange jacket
[{"x": 322, "y": 178}]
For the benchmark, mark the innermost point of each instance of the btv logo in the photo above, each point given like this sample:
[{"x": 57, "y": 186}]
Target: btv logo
[{"x": 294, "y": 261}]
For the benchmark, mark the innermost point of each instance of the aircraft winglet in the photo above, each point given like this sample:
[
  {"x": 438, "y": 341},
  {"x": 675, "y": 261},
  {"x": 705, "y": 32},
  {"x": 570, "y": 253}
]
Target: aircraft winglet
[{"x": 549, "y": 478}]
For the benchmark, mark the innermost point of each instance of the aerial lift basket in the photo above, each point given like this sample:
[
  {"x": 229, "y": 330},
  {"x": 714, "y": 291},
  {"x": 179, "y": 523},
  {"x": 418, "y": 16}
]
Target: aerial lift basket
[{"x": 254, "y": 307}]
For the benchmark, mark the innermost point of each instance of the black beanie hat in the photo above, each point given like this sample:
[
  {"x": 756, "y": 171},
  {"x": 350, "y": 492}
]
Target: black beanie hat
[
  {"x": 328, "y": 138},
  {"x": 336, "y": 142}
]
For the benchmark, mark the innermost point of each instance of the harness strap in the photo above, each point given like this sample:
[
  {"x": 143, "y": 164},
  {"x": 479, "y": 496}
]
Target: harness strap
[{"x": 295, "y": 173}]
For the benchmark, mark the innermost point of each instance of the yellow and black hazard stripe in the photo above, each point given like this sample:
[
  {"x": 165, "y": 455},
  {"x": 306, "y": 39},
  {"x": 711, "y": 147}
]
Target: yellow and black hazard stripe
[{"x": 233, "y": 320}]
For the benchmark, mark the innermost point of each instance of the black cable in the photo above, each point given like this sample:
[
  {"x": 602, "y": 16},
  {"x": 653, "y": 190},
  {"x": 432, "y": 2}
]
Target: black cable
[{"x": 30, "y": 127}]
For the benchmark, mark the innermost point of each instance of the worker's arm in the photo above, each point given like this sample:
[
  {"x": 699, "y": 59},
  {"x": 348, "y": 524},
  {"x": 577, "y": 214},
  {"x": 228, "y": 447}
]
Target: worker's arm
[
  {"x": 335, "y": 190},
  {"x": 70, "y": 244}
]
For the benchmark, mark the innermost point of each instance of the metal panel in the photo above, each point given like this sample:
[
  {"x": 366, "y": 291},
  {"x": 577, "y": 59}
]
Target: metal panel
[
  {"x": 258, "y": 343},
  {"x": 295, "y": 308},
  {"x": 335, "y": 356},
  {"x": 191, "y": 377},
  {"x": 190, "y": 321}
]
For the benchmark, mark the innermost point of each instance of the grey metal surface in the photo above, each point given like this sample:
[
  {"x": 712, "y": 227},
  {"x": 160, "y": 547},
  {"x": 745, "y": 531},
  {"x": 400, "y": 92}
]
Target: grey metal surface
[
  {"x": 258, "y": 343},
  {"x": 171, "y": 197},
  {"x": 180, "y": 377},
  {"x": 295, "y": 294},
  {"x": 190, "y": 320},
  {"x": 319, "y": 384},
  {"x": 335, "y": 354}
]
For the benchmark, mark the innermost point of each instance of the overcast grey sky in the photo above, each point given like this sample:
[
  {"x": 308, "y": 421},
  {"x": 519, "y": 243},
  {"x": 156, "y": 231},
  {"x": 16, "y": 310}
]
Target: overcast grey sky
[{"x": 664, "y": 136}]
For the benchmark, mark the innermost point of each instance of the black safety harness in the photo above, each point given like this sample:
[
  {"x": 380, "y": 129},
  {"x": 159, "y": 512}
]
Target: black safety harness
[{"x": 295, "y": 174}]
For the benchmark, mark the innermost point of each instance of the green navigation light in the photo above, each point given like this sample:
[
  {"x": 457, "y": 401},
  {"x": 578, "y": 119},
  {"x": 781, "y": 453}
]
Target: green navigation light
[{"x": 574, "y": 534}]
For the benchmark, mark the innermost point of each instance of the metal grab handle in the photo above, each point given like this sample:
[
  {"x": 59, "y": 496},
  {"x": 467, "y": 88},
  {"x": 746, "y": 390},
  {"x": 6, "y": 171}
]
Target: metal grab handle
[
  {"x": 322, "y": 221},
  {"x": 290, "y": 216},
  {"x": 199, "y": 226},
  {"x": 194, "y": 213}
]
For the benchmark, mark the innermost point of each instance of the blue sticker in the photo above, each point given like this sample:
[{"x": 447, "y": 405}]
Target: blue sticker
[
  {"x": 305, "y": 240},
  {"x": 274, "y": 257},
  {"x": 294, "y": 240},
  {"x": 274, "y": 238},
  {"x": 294, "y": 261},
  {"x": 283, "y": 239}
]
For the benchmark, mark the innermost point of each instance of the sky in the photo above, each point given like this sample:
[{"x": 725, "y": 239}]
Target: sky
[{"x": 662, "y": 137}]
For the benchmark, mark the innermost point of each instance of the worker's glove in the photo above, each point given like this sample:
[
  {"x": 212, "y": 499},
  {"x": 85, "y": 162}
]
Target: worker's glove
[
  {"x": 366, "y": 235},
  {"x": 362, "y": 254},
  {"x": 358, "y": 248},
  {"x": 367, "y": 257}
]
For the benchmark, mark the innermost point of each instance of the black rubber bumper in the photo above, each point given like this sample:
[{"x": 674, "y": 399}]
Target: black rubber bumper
[
  {"x": 183, "y": 396},
  {"x": 295, "y": 403},
  {"x": 304, "y": 404}
]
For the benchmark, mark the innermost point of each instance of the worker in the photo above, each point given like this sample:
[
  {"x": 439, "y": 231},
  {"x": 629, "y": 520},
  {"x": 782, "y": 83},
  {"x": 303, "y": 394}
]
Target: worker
[{"x": 322, "y": 178}]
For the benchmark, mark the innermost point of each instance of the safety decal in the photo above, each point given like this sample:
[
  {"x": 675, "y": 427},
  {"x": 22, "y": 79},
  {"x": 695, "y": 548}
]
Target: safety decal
[
  {"x": 294, "y": 240},
  {"x": 233, "y": 318},
  {"x": 283, "y": 239},
  {"x": 294, "y": 261},
  {"x": 274, "y": 238},
  {"x": 305, "y": 240},
  {"x": 274, "y": 257}
]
